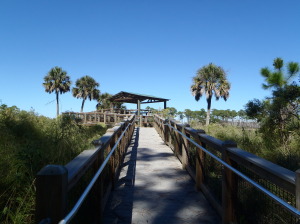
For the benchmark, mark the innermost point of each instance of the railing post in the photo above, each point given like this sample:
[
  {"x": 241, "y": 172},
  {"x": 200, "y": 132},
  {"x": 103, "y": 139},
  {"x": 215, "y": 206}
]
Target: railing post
[
  {"x": 229, "y": 186},
  {"x": 199, "y": 161},
  {"x": 185, "y": 148},
  {"x": 177, "y": 142},
  {"x": 166, "y": 132},
  {"x": 297, "y": 193},
  {"x": 96, "y": 198},
  {"x": 113, "y": 161},
  {"x": 51, "y": 193}
]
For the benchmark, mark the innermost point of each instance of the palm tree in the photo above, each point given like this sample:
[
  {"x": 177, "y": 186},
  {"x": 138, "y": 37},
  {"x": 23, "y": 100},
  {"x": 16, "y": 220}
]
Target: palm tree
[
  {"x": 57, "y": 81},
  {"x": 277, "y": 79},
  {"x": 210, "y": 80},
  {"x": 86, "y": 88},
  {"x": 103, "y": 101}
]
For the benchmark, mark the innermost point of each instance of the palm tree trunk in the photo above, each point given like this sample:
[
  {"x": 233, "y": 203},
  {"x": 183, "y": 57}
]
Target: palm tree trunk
[
  {"x": 82, "y": 105},
  {"x": 208, "y": 110},
  {"x": 57, "y": 104}
]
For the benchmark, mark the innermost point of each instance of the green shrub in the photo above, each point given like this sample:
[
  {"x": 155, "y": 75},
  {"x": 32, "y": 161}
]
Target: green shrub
[{"x": 28, "y": 142}]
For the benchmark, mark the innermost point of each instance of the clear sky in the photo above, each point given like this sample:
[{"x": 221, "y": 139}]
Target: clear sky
[{"x": 151, "y": 47}]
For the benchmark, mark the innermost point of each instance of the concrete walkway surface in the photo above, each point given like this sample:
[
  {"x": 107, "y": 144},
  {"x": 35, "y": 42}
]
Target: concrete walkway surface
[{"x": 153, "y": 188}]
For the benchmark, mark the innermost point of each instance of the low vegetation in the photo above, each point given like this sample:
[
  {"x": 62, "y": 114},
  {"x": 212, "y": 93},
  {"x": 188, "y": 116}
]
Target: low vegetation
[
  {"x": 254, "y": 141},
  {"x": 28, "y": 142}
]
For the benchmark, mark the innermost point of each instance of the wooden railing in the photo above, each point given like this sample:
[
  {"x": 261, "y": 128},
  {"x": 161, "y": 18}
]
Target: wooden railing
[
  {"x": 55, "y": 184},
  {"x": 125, "y": 111},
  {"x": 236, "y": 200},
  {"x": 98, "y": 117},
  {"x": 90, "y": 118}
]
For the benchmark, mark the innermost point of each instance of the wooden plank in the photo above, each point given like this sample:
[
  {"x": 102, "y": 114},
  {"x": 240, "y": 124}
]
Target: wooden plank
[{"x": 212, "y": 142}]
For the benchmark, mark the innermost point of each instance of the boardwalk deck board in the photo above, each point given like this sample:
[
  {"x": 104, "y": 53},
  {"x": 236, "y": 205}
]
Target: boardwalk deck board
[{"x": 153, "y": 188}]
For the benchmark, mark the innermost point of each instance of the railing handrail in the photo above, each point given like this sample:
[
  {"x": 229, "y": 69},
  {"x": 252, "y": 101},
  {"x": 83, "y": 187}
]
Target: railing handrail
[
  {"x": 54, "y": 182},
  {"x": 285, "y": 182},
  {"x": 253, "y": 183},
  {"x": 76, "y": 207},
  {"x": 273, "y": 172}
]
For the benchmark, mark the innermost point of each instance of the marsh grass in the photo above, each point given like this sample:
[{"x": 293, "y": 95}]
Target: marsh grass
[
  {"x": 28, "y": 142},
  {"x": 252, "y": 140}
]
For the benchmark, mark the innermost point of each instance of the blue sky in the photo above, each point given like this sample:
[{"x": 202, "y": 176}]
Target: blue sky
[{"x": 149, "y": 47}]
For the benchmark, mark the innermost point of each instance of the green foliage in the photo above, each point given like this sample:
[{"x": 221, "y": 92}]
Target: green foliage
[
  {"x": 28, "y": 142},
  {"x": 283, "y": 120},
  {"x": 279, "y": 115},
  {"x": 224, "y": 115},
  {"x": 256, "y": 109},
  {"x": 180, "y": 115},
  {"x": 278, "y": 78},
  {"x": 217, "y": 116},
  {"x": 105, "y": 103},
  {"x": 169, "y": 112}
]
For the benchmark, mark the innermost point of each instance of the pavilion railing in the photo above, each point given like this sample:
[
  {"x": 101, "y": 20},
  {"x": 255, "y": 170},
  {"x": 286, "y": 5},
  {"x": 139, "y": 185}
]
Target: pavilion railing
[
  {"x": 242, "y": 187},
  {"x": 92, "y": 172},
  {"x": 91, "y": 118}
]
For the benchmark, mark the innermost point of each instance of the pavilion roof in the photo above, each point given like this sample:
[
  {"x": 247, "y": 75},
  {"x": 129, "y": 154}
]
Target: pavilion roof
[{"x": 126, "y": 97}]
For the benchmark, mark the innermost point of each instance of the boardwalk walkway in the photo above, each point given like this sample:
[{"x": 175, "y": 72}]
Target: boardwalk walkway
[{"x": 153, "y": 188}]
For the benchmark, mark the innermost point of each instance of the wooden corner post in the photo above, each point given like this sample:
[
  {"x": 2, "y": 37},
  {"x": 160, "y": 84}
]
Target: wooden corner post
[
  {"x": 229, "y": 186},
  {"x": 51, "y": 193}
]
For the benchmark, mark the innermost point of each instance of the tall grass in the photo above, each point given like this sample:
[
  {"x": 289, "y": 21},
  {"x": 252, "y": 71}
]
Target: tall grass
[
  {"x": 28, "y": 142},
  {"x": 252, "y": 140}
]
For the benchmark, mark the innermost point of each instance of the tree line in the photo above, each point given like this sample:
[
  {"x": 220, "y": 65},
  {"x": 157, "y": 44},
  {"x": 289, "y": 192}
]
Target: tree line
[{"x": 200, "y": 115}]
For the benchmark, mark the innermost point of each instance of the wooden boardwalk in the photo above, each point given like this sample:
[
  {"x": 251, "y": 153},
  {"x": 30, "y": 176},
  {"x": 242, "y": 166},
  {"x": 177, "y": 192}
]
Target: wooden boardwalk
[{"x": 153, "y": 188}]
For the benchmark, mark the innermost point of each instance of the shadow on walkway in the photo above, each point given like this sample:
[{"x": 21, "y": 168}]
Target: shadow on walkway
[
  {"x": 155, "y": 189},
  {"x": 120, "y": 203}
]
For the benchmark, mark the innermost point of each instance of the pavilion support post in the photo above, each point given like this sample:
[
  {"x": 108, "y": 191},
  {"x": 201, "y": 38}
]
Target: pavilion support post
[
  {"x": 112, "y": 108},
  {"x": 139, "y": 112},
  {"x": 165, "y": 104}
]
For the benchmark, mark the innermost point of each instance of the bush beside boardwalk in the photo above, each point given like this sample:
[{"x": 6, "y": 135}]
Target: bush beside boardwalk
[
  {"x": 252, "y": 140},
  {"x": 28, "y": 142}
]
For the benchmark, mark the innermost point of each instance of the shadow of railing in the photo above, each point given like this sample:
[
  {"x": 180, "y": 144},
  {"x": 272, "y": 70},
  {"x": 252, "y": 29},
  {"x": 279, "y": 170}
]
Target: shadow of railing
[{"x": 120, "y": 203}]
